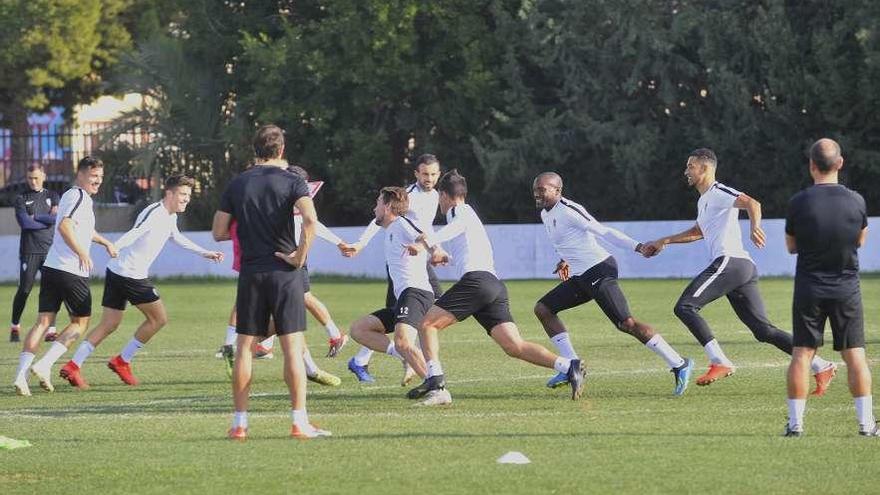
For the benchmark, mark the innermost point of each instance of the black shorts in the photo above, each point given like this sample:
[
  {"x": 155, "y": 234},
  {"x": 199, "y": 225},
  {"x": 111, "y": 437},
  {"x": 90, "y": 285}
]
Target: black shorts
[
  {"x": 58, "y": 286},
  {"x": 412, "y": 306},
  {"x": 276, "y": 294},
  {"x": 845, "y": 314},
  {"x": 119, "y": 290},
  {"x": 478, "y": 294},
  {"x": 599, "y": 283}
]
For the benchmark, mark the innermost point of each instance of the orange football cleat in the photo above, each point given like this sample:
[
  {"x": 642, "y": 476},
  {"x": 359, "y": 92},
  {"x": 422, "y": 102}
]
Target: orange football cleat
[
  {"x": 716, "y": 372},
  {"x": 123, "y": 370},
  {"x": 823, "y": 379},
  {"x": 239, "y": 434},
  {"x": 70, "y": 372}
]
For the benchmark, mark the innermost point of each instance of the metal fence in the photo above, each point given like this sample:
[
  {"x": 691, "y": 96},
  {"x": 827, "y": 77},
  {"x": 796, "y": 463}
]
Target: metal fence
[{"x": 59, "y": 148}]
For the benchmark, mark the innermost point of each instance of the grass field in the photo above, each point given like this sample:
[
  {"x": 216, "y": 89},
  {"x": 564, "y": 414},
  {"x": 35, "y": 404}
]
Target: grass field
[{"x": 627, "y": 435}]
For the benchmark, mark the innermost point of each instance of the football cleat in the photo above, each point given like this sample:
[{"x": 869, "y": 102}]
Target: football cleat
[
  {"x": 360, "y": 372},
  {"x": 558, "y": 380},
  {"x": 44, "y": 378},
  {"x": 870, "y": 430},
  {"x": 336, "y": 345},
  {"x": 21, "y": 386},
  {"x": 261, "y": 352},
  {"x": 408, "y": 374},
  {"x": 123, "y": 370},
  {"x": 576, "y": 377},
  {"x": 440, "y": 397},
  {"x": 793, "y": 431},
  {"x": 307, "y": 432},
  {"x": 71, "y": 373},
  {"x": 239, "y": 434},
  {"x": 219, "y": 353},
  {"x": 14, "y": 334},
  {"x": 228, "y": 359},
  {"x": 51, "y": 336},
  {"x": 823, "y": 379},
  {"x": 431, "y": 383},
  {"x": 321, "y": 377},
  {"x": 682, "y": 376},
  {"x": 716, "y": 372}
]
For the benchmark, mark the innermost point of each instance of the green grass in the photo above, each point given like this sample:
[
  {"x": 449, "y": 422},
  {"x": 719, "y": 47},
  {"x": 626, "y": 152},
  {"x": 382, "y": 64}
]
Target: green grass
[{"x": 626, "y": 435}]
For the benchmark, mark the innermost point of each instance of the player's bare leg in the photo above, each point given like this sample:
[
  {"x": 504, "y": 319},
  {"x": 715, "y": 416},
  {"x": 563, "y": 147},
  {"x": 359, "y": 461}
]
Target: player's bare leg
[
  {"x": 30, "y": 346},
  {"x": 42, "y": 369}
]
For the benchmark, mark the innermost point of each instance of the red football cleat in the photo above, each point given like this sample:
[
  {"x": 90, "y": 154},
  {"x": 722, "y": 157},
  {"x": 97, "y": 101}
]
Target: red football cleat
[
  {"x": 716, "y": 372},
  {"x": 336, "y": 345},
  {"x": 311, "y": 431},
  {"x": 823, "y": 379},
  {"x": 70, "y": 372},
  {"x": 239, "y": 434},
  {"x": 50, "y": 337},
  {"x": 123, "y": 369}
]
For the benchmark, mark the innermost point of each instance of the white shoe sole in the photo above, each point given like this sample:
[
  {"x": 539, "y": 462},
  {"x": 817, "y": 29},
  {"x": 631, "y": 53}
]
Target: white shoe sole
[{"x": 436, "y": 398}]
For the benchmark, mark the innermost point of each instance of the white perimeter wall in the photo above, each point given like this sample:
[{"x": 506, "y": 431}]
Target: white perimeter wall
[{"x": 521, "y": 252}]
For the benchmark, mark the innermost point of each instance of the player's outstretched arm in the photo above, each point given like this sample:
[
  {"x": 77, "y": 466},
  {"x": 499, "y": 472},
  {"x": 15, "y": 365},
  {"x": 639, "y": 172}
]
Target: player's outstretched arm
[
  {"x": 187, "y": 243},
  {"x": 690, "y": 235},
  {"x": 753, "y": 209},
  {"x": 111, "y": 248}
]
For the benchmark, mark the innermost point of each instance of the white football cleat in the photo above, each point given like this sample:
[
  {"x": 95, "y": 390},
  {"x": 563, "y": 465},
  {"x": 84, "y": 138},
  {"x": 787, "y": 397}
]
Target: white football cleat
[
  {"x": 21, "y": 386},
  {"x": 440, "y": 397},
  {"x": 44, "y": 377}
]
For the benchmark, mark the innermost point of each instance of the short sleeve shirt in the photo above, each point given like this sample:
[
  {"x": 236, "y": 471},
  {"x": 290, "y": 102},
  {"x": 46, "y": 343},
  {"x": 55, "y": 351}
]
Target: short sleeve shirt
[
  {"x": 261, "y": 201},
  {"x": 826, "y": 221},
  {"x": 76, "y": 205}
]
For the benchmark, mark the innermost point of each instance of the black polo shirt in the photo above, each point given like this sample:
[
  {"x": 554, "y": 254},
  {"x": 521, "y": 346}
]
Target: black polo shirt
[
  {"x": 826, "y": 221},
  {"x": 32, "y": 207},
  {"x": 261, "y": 200}
]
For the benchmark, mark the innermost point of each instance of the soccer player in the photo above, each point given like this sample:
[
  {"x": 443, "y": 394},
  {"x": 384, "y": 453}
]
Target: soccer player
[
  {"x": 477, "y": 293},
  {"x": 423, "y": 200},
  {"x": 65, "y": 275},
  {"x": 825, "y": 226},
  {"x": 409, "y": 278},
  {"x": 270, "y": 286},
  {"x": 732, "y": 272},
  {"x": 573, "y": 233},
  {"x": 127, "y": 281},
  {"x": 35, "y": 211}
]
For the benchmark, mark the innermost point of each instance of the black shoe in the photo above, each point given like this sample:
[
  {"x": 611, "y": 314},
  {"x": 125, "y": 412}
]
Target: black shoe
[
  {"x": 795, "y": 432},
  {"x": 431, "y": 383},
  {"x": 870, "y": 430},
  {"x": 576, "y": 378},
  {"x": 13, "y": 335}
]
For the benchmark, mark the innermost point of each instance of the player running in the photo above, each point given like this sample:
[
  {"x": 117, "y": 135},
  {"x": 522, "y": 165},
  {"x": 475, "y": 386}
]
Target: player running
[
  {"x": 477, "y": 293},
  {"x": 732, "y": 272},
  {"x": 573, "y": 233},
  {"x": 127, "y": 281}
]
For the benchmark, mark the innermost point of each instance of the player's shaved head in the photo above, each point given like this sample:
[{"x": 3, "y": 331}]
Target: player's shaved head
[
  {"x": 551, "y": 178},
  {"x": 825, "y": 154}
]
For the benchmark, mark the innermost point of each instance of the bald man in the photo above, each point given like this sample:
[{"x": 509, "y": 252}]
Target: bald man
[
  {"x": 573, "y": 233},
  {"x": 825, "y": 226}
]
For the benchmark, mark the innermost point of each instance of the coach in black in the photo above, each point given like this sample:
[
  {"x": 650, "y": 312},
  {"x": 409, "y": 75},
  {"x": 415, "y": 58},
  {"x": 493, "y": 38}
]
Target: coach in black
[
  {"x": 35, "y": 212},
  {"x": 271, "y": 282},
  {"x": 825, "y": 225}
]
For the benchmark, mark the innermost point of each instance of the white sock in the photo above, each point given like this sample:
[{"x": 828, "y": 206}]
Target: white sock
[
  {"x": 15, "y": 326},
  {"x": 563, "y": 345},
  {"x": 83, "y": 352},
  {"x": 52, "y": 329},
  {"x": 865, "y": 410},
  {"x": 434, "y": 368},
  {"x": 796, "y": 412},
  {"x": 239, "y": 419},
  {"x": 230, "y": 335},
  {"x": 392, "y": 351},
  {"x": 25, "y": 359},
  {"x": 660, "y": 347},
  {"x": 818, "y": 364},
  {"x": 268, "y": 342},
  {"x": 52, "y": 355},
  {"x": 562, "y": 364},
  {"x": 311, "y": 367},
  {"x": 715, "y": 354},
  {"x": 130, "y": 349},
  {"x": 362, "y": 358},
  {"x": 300, "y": 417},
  {"x": 332, "y": 331}
]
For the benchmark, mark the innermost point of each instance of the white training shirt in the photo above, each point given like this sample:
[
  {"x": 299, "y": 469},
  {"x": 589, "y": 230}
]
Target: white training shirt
[
  {"x": 405, "y": 270},
  {"x": 719, "y": 221},
  {"x": 573, "y": 233},
  {"x": 75, "y": 204},
  {"x": 140, "y": 246},
  {"x": 422, "y": 209},
  {"x": 466, "y": 241}
]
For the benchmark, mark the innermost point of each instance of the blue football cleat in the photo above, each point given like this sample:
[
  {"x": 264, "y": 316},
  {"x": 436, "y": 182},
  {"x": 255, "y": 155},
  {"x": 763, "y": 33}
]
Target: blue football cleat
[
  {"x": 558, "y": 380},
  {"x": 682, "y": 376},
  {"x": 360, "y": 372}
]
